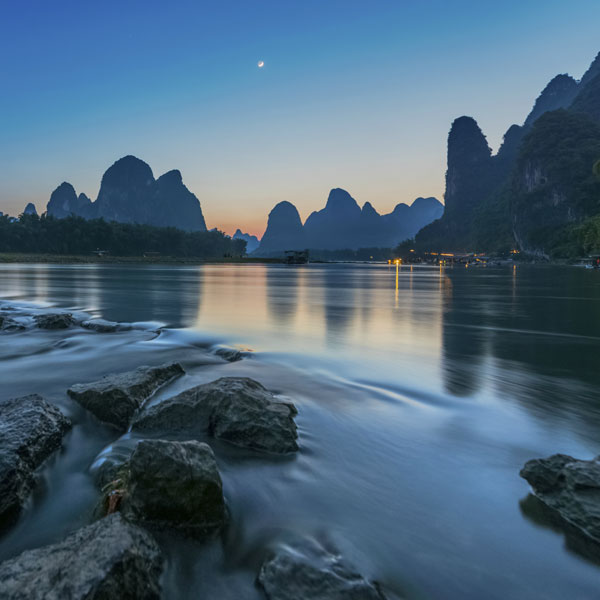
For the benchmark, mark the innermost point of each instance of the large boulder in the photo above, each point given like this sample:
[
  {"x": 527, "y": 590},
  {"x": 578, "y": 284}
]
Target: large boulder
[
  {"x": 235, "y": 409},
  {"x": 54, "y": 320},
  {"x": 30, "y": 430},
  {"x": 108, "y": 559},
  {"x": 307, "y": 570},
  {"x": 170, "y": 484},
  {"x": 115, "y": 398},
  {"x": 571, "y": 488}
]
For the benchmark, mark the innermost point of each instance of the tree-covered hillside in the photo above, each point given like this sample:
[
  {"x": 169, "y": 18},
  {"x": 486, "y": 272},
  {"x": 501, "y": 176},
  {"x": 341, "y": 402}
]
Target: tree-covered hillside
[
  {"x": 538, "y": 191},
  {"x": 553, "y": 185}
]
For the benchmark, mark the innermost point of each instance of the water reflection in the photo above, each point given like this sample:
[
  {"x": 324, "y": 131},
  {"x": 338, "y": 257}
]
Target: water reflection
[
  {"x": 166, "y": 294},
  {"x": 283, "y": 289},
  {"x": 339, "y": 287},
  {"x": 418, "y": 404},
  {"x": 464, "y": 336},
  {"x": 532, "y": 334},
  {"x": 481, "y": 328}
]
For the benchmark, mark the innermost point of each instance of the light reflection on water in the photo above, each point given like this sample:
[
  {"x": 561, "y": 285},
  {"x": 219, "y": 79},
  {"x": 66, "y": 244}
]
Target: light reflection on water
[{"x": 418, "y": 405}]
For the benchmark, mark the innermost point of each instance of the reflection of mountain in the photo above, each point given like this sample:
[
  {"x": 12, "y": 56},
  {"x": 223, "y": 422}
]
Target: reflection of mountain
[
  {"x": 282, "y": 294},
  {"x": 343, "y": 224},
  {"x": 171, "y": 296},
  {"x": 118, "y": 293},
  {"x": 463, "y": 335},
  {"x": 339, "y": 303},
  {"x": 526, "y": 325}
]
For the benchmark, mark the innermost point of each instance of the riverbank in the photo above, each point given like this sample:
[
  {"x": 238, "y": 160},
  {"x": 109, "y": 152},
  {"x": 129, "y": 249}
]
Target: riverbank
[{"x": 60, "y": 259}]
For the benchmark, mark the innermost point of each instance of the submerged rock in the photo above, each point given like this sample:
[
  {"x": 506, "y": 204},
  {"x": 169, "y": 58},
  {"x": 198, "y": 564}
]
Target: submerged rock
[
  {"x": 10, "y": 324},
  {"x": 103, "y": 326},
  {"x": 236, "y": 409},
  {"x": 115, "y": 398},
  {"x": 108, "y": 559},
  {"x": 570, "y": 487},
  {"x": 229, "y": 354},
  {"x": 54, "y": 321},
  {"x": 30, "y": 430},
  {"x": 307, "y": 570},
  {"x": 172, "y": 484}
]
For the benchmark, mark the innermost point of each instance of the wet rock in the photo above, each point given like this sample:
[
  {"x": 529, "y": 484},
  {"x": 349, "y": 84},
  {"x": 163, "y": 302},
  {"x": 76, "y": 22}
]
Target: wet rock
[
  {"x": 115, "y": 398},
  {"x": 103, "y": 326},
  {"x": 236, "y": 409},
  {"x": 54, "y": 321},
  {"x": 229, "y": 354},
  {"x": 170, "y": 484},
  {"x": 570, "y": 487},
  {"x": 30, "y": 430},
  {"x": 108, "y": 559},
  {"x": 307, "y": 570},
  {"x": 10, "y": 324}
]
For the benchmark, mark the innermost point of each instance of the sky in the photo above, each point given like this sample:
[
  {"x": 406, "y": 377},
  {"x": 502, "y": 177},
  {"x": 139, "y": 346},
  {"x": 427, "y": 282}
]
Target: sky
[{"x": 358, "y": 95}]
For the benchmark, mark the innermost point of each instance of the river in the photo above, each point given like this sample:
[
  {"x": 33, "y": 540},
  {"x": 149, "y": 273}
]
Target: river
[{"x": 418, "y": 404}]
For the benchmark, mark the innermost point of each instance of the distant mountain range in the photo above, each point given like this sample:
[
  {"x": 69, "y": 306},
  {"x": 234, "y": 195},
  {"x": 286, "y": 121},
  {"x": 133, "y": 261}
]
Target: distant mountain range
[
  {"x": 251, "y": 240},
  {"x": 539, "y": 191},
  {"x": 343, "y": 224},
  {"x": 130, "y": 194}
]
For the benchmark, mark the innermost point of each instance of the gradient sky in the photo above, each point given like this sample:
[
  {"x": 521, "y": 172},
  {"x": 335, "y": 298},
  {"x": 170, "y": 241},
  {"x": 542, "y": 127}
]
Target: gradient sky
[{"x": 358, "y": 95}]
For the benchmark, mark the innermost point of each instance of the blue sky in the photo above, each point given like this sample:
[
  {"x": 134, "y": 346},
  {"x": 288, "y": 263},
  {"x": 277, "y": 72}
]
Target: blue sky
[{"x": 358, "y": 95}]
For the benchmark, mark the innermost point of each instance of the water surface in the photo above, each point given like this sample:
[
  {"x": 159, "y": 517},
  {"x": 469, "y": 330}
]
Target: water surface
[{"x": 418, "y": 405}]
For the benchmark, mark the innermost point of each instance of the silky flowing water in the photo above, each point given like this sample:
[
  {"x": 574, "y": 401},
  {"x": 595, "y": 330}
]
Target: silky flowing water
[{"x": 418, "y": 405}]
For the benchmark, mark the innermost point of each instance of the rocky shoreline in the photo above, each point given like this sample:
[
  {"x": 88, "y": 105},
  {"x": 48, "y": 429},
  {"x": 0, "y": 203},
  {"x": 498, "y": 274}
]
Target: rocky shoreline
[
  {"x": 568, "y": 492},
  {"x": 169, "y": 483}
]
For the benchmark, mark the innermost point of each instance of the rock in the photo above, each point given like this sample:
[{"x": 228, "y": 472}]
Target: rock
[
  {"x": 236, "y": 409},
  {"x": 108, "y": 559},
  {"x": 172, "y": 484},
  {"x": 9, "y": 324},
  {"x": 229, "y": 354},
  {"x": 54, "y": 321},
  {"x": 570, "y": 487},
  {"x": 115, "y": 398},
  {"x": 103, "y": 326},
  {"x": 306, "y": 570},
  {"x": 30, "y": 430}
]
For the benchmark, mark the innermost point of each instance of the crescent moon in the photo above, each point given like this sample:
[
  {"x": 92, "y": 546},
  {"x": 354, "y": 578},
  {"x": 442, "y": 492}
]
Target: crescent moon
[{"x": 261, "y": 64}]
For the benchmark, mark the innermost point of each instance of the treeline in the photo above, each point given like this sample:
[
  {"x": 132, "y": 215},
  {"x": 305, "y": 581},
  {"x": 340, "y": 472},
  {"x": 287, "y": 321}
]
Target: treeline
[{"x": 77, "y": 236}]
